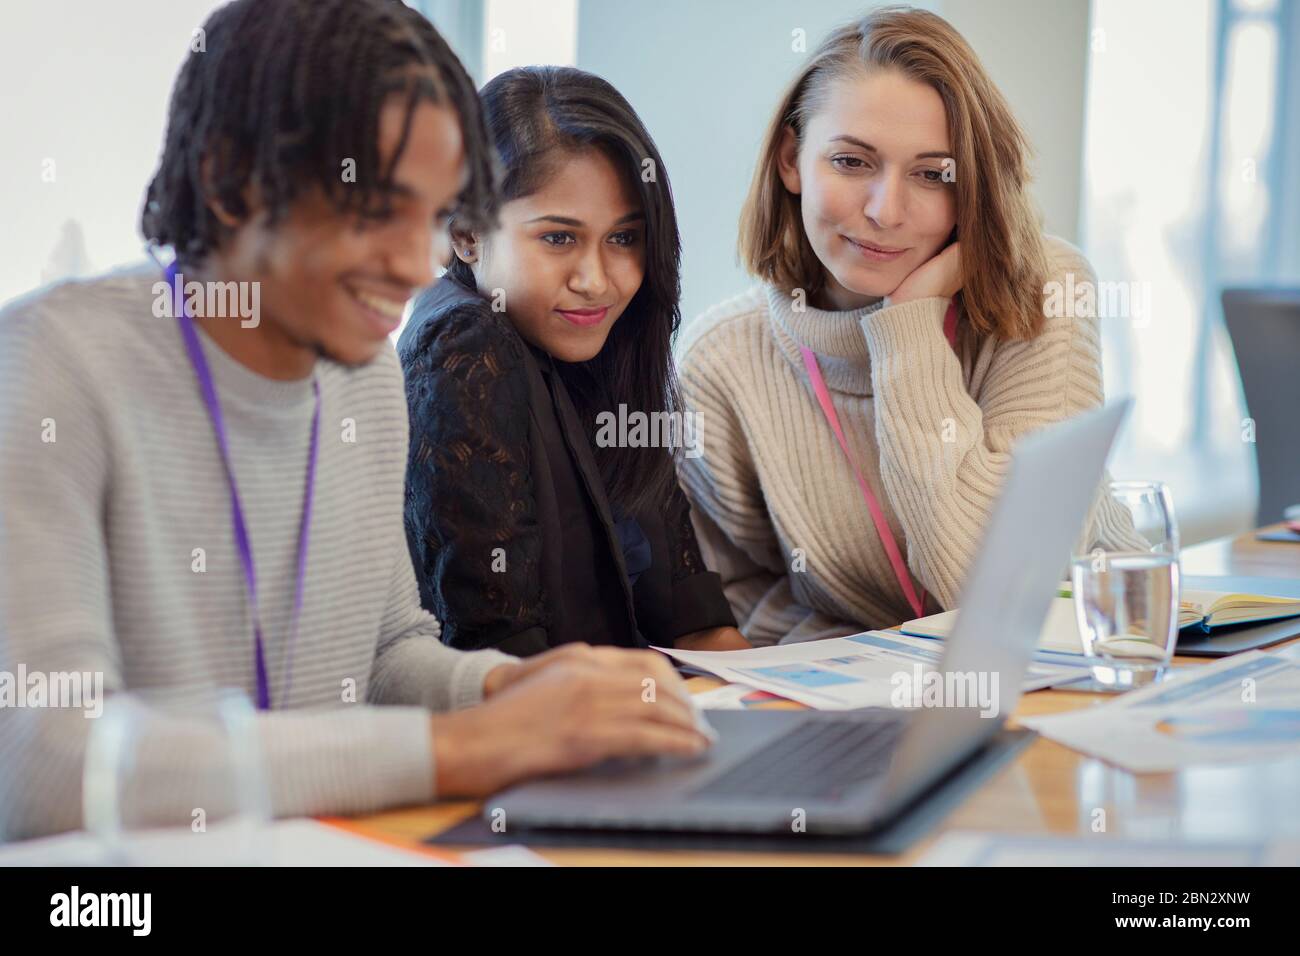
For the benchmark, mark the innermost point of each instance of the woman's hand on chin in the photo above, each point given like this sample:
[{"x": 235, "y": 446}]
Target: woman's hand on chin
[{"x": 938, "y": 276}]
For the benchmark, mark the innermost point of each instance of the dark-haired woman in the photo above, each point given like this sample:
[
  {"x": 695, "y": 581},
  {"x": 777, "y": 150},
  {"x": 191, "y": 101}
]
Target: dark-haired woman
[{"x": 536, "y": 517}]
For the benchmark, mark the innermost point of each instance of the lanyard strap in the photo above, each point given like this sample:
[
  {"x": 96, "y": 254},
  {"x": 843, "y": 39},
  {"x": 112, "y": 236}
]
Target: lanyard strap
[
  {"x": 208, "y": 389},
  {"x": 915, "y": 599}
]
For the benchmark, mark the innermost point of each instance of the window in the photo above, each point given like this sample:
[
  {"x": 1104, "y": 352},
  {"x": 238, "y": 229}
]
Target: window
[{"x": 1181, "y": 182}]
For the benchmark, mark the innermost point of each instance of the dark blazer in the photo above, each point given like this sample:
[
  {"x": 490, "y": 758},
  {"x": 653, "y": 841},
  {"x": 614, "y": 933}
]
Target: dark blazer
[{"x": 483, "y": 509}]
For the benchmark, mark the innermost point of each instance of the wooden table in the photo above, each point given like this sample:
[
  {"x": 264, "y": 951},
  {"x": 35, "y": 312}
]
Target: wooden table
[{"x": 1048, "y": 789}]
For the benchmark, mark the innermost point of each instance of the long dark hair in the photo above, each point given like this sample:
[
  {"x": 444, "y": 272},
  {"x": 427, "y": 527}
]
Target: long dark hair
[
  {"x": 282, "y": 93},
  {"x": 535, "y": 116}
]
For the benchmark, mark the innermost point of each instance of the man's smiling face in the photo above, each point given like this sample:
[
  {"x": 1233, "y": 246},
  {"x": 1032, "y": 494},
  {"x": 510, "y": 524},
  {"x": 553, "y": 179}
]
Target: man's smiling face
[{"x": 338, "y": 283}]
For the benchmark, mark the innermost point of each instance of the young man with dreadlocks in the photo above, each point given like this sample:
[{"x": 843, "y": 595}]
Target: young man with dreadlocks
[{"x": 193, "y": 499}]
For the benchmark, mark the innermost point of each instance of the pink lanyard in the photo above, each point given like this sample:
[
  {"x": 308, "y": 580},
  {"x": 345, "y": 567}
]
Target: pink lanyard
[{"x": 915, "y": 599}]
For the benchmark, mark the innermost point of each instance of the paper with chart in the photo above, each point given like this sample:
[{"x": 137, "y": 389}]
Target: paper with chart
[
  {"x": 732, "y": 697},
  {"x": 839, "y": 673},
  {"x": 1241, "y": 708}
]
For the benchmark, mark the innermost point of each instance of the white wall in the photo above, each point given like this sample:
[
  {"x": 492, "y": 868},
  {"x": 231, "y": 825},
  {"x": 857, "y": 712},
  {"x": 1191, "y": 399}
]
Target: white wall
[
  {"x": 1036, "y": 51},
  {"x": 85, "y": 84},
  {"x": 525, "y": 32}
]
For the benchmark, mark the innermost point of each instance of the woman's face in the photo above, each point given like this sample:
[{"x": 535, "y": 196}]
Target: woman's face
[
  {"x": 568, "y": 258},
  {"x": 875, "y": 191}
]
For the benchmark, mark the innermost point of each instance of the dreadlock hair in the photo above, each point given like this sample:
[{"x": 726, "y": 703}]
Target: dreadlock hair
[
  {"x": 281, "y": 94},
  {"x": 537, "y": 117}
]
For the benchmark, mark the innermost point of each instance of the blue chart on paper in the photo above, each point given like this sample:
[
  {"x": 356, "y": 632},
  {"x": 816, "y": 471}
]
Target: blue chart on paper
[
  {"x": 825, "y": 672},
  {"x": 801, "y": 675},
  {"x": 898, "y": 647}
]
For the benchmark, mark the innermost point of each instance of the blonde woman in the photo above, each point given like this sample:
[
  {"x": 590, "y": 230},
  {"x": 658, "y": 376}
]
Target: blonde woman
[{"x": 862, "y": 403}]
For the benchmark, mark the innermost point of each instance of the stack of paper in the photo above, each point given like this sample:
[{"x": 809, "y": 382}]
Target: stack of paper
[
  {"x": 1240, "y": 708},
  {"x": 840, "y": 673}
]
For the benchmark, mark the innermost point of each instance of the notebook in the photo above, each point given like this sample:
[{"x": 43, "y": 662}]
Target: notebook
[
  {"x": 1207, "y": 610},
  {"x": 1200, "y": 612}
]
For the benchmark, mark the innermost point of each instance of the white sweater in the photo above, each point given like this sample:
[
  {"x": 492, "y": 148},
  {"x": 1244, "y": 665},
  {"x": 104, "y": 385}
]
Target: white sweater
[
  {"x": 98, "y": 532},
  {"x": 777, "y": 508}
]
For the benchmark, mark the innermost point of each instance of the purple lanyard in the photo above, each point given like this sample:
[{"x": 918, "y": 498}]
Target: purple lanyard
[{"x": 209, "y": 391}]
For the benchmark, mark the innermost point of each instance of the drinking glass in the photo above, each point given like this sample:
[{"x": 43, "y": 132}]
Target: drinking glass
[
  {"x": 1126, "y": 599},
  {"x": 177, "y": 778}
]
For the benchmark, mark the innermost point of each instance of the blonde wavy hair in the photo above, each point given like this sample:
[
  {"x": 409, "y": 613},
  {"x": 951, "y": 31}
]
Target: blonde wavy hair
[{"x": 1004, "y": 262}]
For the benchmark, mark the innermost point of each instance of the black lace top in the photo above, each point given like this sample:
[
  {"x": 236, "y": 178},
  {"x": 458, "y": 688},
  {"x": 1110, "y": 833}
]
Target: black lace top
[{"x": 514, "y": 543}]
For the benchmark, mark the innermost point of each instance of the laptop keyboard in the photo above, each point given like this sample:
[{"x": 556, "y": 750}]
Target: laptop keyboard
[{"x": 821, "y": 759}]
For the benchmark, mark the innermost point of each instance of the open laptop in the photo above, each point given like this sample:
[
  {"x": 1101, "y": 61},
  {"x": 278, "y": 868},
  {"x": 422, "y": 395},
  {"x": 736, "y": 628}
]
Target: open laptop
[{"x": 854, "y": 771}]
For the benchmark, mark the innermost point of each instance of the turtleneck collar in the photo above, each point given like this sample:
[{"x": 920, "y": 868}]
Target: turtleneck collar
[{"x": 836, "y": 337}]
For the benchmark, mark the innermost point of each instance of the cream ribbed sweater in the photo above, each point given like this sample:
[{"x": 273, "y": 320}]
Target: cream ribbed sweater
[{"x": 777, "y": 508}]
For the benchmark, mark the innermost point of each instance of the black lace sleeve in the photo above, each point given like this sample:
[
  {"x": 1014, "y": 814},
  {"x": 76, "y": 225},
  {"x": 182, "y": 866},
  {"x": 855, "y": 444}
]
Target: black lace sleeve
[
  {"x": 471, "y": 518},
  {"x": 685, "y": 557}
]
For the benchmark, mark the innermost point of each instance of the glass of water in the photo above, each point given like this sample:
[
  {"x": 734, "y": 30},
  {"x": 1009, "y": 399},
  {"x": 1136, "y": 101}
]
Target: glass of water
[
  {"x": 1126, "y": 600},
  {"x": 177, "y": 778}
]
